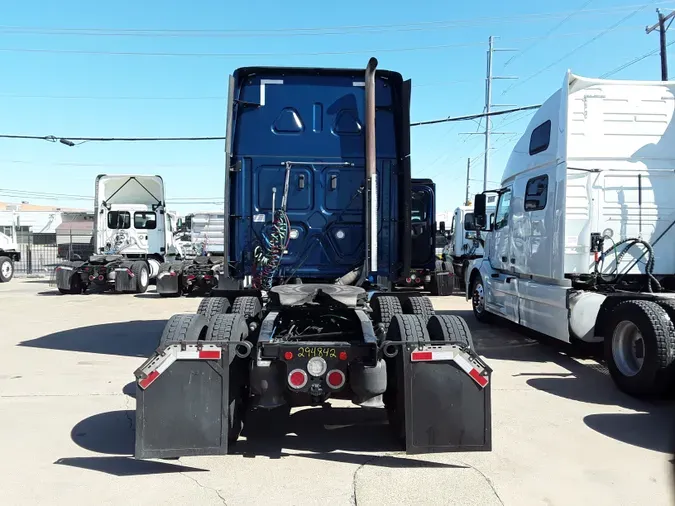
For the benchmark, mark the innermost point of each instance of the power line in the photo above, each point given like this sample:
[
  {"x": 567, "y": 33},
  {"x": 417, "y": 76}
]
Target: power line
[
  {"x": 633, "y": 61},
  {"x": 259, "y": 55},
  {"x": 547, "y": 34},
  {"x": 177, "y": 98},
  {"x": 70, "y": 141},
  {"x": 588, "y": 42},
  {"x": 309, "y": 31},
  {"x": 63, "y": 140},
  {"x": 472, "y": 116}
]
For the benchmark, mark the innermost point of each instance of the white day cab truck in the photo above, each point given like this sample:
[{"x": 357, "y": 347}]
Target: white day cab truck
[
  {"x": 133, "y": 237},
  {"x": 9, "y": 254},
  {"x": 465, "y": 242},
  {"x": 582, "y": 246}
]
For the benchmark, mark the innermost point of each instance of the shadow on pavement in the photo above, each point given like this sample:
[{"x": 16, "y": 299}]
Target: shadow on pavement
[
  {"x": 651, "y": 431},
  {"x": 130, "y": 389},
  {"x": 125, "y": 466},
  {"x": 331, "y": 434},
  {"x": 128, "y": 339}
]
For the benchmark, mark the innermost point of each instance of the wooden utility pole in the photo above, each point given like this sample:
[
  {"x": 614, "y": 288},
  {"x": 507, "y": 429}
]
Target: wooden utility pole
[{"x": 661, "y": 25}]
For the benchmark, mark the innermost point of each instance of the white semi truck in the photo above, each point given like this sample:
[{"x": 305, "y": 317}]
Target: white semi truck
[
  {"x": 465, "y": 242},
  {"x": 582, "y": 246},
  {"x": 133, "y": 235},
  {"x": 9, "y": 254}
]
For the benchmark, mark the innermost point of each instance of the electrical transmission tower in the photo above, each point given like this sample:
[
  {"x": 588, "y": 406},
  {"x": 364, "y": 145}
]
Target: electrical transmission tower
[{"x": 487, "y": 132}]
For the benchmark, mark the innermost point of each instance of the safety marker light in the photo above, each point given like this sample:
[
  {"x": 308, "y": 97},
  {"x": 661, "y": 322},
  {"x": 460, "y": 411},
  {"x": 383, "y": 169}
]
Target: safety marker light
[
  {"x": 288, "y": 355},
  {"x": 343, "y": 355},
  {"x": 335, "y": 379},
  {"x": 297, "y": 378}
]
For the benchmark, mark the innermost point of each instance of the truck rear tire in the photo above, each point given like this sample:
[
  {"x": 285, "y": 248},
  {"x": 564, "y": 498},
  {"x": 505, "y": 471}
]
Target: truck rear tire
[
  {"x": 250, "y": 307},
  {"x": 6, "y": 269},
  {"x": 141, "y": 273},
  {"x": 211, "y": 307},
  {"x": 406, "y": 328},
  {"x": 478, "y": 301},
  {"x": 420, "y": 306},
  {"x": 638, "y": 347},
  {"x": 184, "y": 327},
  {"x": 450, "y": 328},
  {"x": 384, "y": 309},
  {"x": 232, "y": 328}
]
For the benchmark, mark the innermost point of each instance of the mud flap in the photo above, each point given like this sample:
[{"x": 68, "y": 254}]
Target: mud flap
[
  {"x": 182, "y": 402},
  {"x": 447, "y": 400},
  {"x": 124, "y": 281},
  {"x": 167, "y": 283},
  {"x": 64, "y": 273}
]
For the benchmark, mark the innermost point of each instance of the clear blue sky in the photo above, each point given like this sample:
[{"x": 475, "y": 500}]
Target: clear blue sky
[{"x": 66, "y": 93}]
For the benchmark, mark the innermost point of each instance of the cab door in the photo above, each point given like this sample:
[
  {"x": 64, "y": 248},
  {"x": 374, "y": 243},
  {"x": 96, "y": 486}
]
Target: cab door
[{"x": 502, "y": 293}]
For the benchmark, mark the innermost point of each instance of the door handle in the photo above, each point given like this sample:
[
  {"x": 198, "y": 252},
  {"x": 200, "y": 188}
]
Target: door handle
[
  {"x": 508, "y": 280},
  {"x": 504, "y": 259}
]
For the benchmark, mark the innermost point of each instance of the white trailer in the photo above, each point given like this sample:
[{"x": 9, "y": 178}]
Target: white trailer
[
  {"x": 582, "y": 246},
  {"x": 133, "y": 236}
]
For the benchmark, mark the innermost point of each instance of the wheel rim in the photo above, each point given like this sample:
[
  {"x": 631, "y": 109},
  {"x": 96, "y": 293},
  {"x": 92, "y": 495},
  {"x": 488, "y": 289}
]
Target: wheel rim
[
  {"x": 6, "y": 269},
  {"x": 144, "y": 277},
  {"x": 628, "y": 348},
  {"x": 478, "y": 299}
]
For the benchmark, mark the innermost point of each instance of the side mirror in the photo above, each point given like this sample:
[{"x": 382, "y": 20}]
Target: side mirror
[
  {"x": 441, "y": 226},
  {"x": 479, "y": 214}
]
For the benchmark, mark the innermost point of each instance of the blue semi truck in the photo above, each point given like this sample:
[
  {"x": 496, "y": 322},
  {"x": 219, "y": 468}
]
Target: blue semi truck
[{"x": 318, "y": 200}]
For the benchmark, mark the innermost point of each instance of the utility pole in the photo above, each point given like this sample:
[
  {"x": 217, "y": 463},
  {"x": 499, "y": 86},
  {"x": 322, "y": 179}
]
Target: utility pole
[
  {"x": 488, "y": 104},
  {"x": 661, "y": 25},
  {"x": 468, "y": 172}
]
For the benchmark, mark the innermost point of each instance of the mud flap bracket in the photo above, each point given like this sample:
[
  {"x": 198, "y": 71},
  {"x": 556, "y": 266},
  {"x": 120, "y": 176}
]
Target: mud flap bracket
[
  {"x": 447, "y": 399},
  {"x": 182, "y": 402}
]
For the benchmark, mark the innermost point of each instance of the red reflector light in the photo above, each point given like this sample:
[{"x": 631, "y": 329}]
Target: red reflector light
[
  {"x": 91, "y": 278},
  {"x": 145, "y": 383},
  {"x": 100, "y": 278},
  {"x": 421, "y": 355},
  {"x": 343, "y": 355},
  {"x": 297, "y": 378},
  {"x": 481, "y": 380},
  {"x": 417, "y": 280},
  {"x": 335, "y": 378},
  {"x": 173, "y": 273},
  {"x": 408, "y": 280},
  {"x": 191, "y": 277},
  {"x": 288, "y": 355},
  {"x": 209, "y": 354}
]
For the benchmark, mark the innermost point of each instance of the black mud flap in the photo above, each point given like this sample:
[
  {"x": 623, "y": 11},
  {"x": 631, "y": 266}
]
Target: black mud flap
[
  {"x": 124, "y": 280},
  {"x": 182, "y": 402},
  {"x": 447, "y": 400},
  {"x": 64, "y": 274},
  {"x": 168, "y": 284}
]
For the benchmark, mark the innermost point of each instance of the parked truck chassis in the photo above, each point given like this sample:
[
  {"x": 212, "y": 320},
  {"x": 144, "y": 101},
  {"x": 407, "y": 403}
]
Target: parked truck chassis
[{"x": 242, "y": 357}]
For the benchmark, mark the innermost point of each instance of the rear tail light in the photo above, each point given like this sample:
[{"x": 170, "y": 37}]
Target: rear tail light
[
  {"x": 297, "y": 378},
  {"x": 101, "y": 277},
  {"x": 191, "y": 277},
  {"x": 335, "y": 379},
  {"x": 408, "y": 280},
  {"x": 173, "y": 273},
  {"x": 91, "y": 278},
  {"x": 417, "y": 280}
]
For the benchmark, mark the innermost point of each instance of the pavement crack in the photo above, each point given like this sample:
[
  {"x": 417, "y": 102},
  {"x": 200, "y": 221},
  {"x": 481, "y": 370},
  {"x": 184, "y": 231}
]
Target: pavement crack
[
  {"x": 355, "y": 500},
  {"x": 217, "y": 492},
  {"x": 127, "y": 412},
  {"x": 488, "y": 480}
]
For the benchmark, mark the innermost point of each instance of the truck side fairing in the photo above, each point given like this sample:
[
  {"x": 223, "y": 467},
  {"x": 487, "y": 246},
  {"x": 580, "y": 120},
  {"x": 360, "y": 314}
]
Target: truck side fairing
[{"x": 314, "y": 119}]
